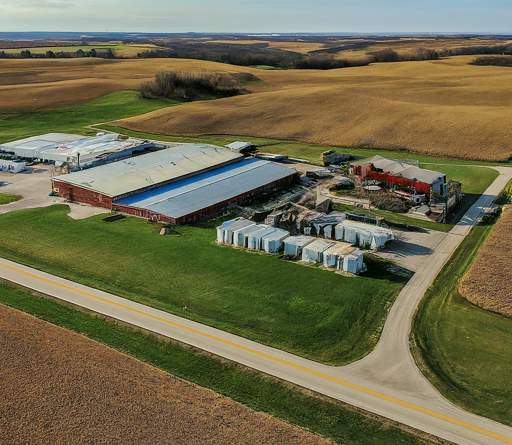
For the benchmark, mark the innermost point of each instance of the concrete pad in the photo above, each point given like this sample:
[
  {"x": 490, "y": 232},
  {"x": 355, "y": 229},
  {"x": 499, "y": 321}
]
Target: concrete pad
[
  {"x": 33, "y": 184},
  {"x": 411, "y": 249}
]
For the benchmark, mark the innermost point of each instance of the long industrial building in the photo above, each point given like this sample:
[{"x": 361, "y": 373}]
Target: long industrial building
[{"x": 179, "y": 185}]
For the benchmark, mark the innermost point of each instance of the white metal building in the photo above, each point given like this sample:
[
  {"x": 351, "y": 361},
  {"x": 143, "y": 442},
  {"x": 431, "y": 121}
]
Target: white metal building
[
  {"x": 336, "y": 252},
  {"x": 273, "y": 242},
  {"x": 34, "y": 146},
  {"x": 241, "y": 236},
  {"x": 226, "y": 230},
  {"x": 363, "y": 235},
  {"x": 352, "y": 263},
  {"x": 293, "y": 245},
  {"x": 239, "y": 146},
  {"x": 255, "y": 239},
  {"x": 314, "y": 252}
]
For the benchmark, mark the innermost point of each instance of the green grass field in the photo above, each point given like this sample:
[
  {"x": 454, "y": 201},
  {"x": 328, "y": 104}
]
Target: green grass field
[
  {"x": 309, "y": 152},
  {"x": 75, "y": 118},
  {"x": 465, "y": 351},
  {"x": 323, "y": 416},
  {"x": 311, "y": 312},
  {"x": 5, "y": 198}
]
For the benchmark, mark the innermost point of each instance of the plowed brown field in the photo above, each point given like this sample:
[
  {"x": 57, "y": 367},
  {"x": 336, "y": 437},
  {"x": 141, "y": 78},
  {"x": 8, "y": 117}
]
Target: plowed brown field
[
  {"x": 488, "y": 284},
  {"x": 61, "y": 388},
  {"x": 442, "y": 108}
]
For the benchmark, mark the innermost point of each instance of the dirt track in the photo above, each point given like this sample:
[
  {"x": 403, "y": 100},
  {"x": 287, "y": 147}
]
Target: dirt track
[{"x": 57, "y": 387}]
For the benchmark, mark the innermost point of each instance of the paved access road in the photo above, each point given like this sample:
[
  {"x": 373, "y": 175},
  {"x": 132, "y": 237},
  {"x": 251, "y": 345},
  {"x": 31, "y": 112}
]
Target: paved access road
[{"x": 386, "y": 382}]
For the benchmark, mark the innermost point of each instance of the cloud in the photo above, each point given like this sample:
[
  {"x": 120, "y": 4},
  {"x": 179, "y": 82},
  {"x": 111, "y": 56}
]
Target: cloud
[{"x": 41, "y": 4}]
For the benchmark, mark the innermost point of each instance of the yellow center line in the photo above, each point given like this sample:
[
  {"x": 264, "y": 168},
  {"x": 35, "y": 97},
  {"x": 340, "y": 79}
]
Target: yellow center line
[{"x": 274, "y": 359}]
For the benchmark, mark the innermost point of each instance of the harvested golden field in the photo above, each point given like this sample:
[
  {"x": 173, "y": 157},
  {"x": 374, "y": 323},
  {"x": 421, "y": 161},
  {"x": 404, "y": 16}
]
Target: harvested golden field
[
  {"x": 36, "y": 84},
  {"x": 59, "y": 387},
  {"x": 407, "y": 45},
  {"x": 441, "y": 108},
  {"x": 302, "y": 47},
  {"x": 488, "y": 284}
]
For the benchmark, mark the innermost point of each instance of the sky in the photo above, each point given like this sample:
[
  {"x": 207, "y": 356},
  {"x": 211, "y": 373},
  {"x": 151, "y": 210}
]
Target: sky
[{"x": 258, "y": 16}]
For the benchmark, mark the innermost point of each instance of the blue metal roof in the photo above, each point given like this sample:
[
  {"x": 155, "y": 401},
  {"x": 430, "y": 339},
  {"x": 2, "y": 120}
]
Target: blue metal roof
[{"x": 193, "y": 194}]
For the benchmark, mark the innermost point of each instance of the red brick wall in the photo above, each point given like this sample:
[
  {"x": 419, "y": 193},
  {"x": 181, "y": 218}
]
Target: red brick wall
[
  {"x": 78, "y": 194},
  {"x": 205, "y": 212}
]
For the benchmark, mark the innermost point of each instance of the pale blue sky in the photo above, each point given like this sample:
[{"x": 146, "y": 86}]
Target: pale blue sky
[{"x": 262, "y": 16}]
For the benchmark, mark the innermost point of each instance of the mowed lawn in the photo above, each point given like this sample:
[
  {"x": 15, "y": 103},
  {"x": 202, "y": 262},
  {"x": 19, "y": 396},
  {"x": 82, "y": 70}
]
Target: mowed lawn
[
  {"x": 6, "y": 198},
  {"x": 314, "y": 313},
  {"x": 465, "y": 351}
]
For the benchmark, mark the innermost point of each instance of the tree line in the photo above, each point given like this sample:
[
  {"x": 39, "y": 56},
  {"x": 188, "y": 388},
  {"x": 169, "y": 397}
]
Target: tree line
[
  {"x": 185, "y": 86},
  {"x": 493, "y": 61},
  {"x": 107, "y": 53}
]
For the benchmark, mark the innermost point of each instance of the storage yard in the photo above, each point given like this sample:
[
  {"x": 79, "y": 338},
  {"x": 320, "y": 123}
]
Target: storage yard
[
  {"x": 344, "y": 256},
  {"x": 185, "y": 183}
]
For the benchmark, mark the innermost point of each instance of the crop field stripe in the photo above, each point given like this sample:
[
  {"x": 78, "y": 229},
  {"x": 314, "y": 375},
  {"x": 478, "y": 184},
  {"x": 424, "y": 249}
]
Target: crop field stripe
[{"x": 281, "y": 361}]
